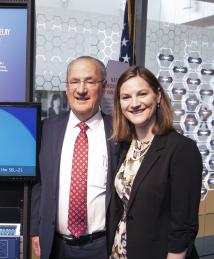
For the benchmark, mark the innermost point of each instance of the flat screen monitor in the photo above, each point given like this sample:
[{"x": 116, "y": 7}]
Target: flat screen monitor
[
  {"x": 14, "y": 53},
  {"x": 19, "y": 140}
]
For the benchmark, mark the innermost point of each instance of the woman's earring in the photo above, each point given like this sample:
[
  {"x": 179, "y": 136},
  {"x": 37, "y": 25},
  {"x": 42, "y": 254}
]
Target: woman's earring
[{"x": 158, "y": 105}]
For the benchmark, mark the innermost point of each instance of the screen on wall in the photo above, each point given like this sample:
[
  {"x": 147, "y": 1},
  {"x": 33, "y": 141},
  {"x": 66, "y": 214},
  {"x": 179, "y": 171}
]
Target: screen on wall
[
  {"x": 13, "y": 45},
  {"x": 19, "y": 138}
]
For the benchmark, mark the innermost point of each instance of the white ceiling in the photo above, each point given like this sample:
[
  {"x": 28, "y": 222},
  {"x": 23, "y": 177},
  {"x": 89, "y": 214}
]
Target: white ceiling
[
  {"x": 106, "y": 7},
  {"x": 193, "y": 12}
]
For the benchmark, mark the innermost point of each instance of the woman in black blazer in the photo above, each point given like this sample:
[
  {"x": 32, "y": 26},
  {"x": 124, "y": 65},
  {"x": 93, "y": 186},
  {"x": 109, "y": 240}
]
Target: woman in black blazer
[{"x": 153, "y": 212}]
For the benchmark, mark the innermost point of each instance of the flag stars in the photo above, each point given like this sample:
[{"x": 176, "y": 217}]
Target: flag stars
[
  {"x": 126, "y": 58},
  {"x": 124, "y": 42}
]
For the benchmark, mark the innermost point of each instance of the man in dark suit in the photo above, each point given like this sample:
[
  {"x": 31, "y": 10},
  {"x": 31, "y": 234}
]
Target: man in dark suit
[{"x": 52, "y": 234}]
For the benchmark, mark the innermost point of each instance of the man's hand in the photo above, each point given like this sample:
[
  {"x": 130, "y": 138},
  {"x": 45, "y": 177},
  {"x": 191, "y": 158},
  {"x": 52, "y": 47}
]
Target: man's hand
[
  {"x": 36, "y": 246},
  {"x": 177, "y": 256}
]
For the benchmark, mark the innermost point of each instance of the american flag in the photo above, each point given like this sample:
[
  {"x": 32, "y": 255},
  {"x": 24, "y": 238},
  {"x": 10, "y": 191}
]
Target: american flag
[{"x": 127, "y": 47}]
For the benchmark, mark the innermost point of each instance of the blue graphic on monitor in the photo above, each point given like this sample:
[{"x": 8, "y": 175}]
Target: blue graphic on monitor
[
  {"x": 18, "y": 141},
  {"x": 13, "y": 55}
]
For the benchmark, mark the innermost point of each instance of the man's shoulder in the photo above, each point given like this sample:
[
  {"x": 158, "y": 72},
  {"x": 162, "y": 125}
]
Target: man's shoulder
[
  {"x": 56, "y": 120},
  {"x": 106, "y": 117}
]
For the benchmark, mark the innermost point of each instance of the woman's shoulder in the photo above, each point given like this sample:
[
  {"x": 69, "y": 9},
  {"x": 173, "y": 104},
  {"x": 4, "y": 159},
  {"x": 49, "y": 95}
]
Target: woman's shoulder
[{"x": 179, "y": 139}]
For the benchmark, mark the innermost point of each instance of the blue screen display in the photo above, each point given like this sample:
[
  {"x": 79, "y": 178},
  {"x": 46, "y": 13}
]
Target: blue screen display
[
  {"x": 13, "y": 56},
  {"x": 18, "y": 137}
]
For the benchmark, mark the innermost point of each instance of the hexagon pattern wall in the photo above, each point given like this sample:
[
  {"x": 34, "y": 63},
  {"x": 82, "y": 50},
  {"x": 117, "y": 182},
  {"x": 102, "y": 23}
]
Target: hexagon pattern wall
[
  {"x": 182, "y": 58},
  {"x": 63, "y": 35}
]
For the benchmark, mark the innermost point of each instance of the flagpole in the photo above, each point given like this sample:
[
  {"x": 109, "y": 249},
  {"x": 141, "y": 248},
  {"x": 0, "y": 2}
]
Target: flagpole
[{"x": 141, "y": 23}]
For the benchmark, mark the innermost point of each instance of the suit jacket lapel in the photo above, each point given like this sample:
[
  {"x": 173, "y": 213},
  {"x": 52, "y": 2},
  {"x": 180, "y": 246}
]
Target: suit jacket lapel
[
  {"x": 58, "y": 139},
  {"x": 112, "y": 149},
  {"x": 123, "y": 151},
  {"x": 152, "y": 155}
]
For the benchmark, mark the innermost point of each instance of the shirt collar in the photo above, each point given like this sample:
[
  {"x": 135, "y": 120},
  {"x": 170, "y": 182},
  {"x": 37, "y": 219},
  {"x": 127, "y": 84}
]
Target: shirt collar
[{"x": 92, "y": 123}]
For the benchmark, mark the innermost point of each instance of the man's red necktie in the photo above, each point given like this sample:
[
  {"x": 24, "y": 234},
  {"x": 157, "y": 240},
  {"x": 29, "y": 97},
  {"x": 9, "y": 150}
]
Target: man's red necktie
[{"x": 77, "y": 213}]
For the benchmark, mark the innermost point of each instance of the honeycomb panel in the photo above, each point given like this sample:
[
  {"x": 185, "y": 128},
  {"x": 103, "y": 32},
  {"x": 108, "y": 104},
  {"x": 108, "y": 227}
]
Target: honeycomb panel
[
  {"x": 63, "y": 35},
  {"x": 182, "y": 58}
]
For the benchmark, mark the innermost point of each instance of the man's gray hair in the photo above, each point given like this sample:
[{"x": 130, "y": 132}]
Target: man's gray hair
[{"x": 99, "y": 63}]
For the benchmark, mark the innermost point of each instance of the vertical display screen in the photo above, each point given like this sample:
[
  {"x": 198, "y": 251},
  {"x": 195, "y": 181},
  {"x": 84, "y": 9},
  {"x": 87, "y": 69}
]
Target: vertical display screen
[{"x": 13, "y": 45}]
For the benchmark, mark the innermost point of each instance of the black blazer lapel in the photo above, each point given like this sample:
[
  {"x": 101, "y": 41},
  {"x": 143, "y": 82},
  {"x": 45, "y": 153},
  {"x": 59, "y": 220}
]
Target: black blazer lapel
[
  {"x": 59, "y": 134},
  {"x": 108, "y": 128},
  {"x": 124, "y": 147},
  {"x": 112, "y": 150},
  {"x": 152, "y": 155}
]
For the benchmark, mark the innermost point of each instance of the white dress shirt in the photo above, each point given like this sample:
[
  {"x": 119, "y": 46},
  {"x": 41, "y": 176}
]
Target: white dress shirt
[{"x": 97, "y": 173}]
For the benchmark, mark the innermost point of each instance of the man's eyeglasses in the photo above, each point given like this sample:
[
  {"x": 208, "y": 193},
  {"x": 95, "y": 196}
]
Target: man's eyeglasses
[{"x": 87, "y": 83}]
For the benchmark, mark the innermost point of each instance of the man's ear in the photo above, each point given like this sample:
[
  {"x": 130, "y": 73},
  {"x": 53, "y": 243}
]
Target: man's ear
[
  {"x": 104, "y": 84},
  {"x": 103, "y": 87}
]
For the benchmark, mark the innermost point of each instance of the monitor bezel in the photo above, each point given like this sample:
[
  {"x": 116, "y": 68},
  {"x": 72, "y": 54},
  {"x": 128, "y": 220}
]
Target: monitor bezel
[{"x": 37, "y": 106}]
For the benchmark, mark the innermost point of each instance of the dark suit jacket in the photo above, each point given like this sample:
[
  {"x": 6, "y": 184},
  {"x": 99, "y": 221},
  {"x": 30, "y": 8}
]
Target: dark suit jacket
[
  {"x": 163, "y": 207},
  {"x": 45, "y": 193}
]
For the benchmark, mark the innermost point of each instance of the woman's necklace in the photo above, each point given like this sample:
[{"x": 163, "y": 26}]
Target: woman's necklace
[{"x": 140, "y": 149}]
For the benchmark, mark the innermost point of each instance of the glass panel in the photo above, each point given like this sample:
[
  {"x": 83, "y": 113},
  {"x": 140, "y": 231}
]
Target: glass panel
[
  {"x": 67, "y": 29},
  {"x": 179, "y": 50}
]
